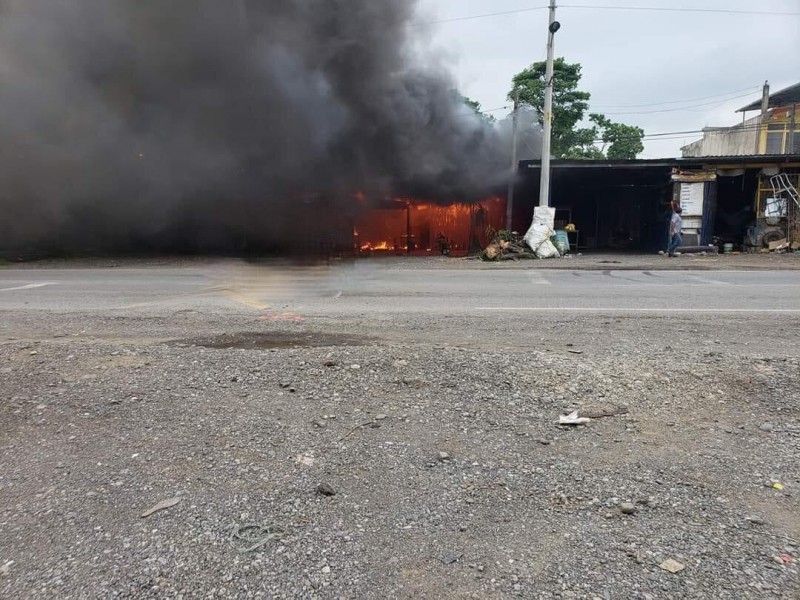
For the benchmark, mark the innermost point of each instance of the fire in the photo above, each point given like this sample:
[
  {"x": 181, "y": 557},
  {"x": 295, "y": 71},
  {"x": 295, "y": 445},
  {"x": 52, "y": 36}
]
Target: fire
[
  {"x": 414, "y": 227},
  {"x": 379, "y": 246}
]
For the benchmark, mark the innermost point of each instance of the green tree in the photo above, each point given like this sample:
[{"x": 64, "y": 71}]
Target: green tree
[
  {"x": 620, "y": 141},
  {"x": 476, "y": 107},
  {"x": 570, "y": 140}
]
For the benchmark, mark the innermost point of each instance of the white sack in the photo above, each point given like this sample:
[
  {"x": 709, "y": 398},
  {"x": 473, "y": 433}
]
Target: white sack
[{"x": 538, "y": 236}]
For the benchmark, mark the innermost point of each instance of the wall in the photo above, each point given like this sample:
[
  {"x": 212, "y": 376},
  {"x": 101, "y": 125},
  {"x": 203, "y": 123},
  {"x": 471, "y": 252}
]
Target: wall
[
  {"x": 780, "y": 134},
  {"x": 730, "y": 141},
  {"x": 774, "y": 136}
]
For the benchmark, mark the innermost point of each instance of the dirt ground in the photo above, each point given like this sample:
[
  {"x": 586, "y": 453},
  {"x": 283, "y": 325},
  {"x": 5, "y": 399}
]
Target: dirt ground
[{"x": 435, "y": 440}]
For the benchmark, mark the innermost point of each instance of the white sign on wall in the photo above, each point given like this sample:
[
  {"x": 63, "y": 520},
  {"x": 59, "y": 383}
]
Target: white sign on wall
[{"x": 692, "y": 199}]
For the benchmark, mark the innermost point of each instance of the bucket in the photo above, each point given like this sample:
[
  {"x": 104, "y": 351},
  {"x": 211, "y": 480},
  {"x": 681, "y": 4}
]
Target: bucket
[
  {"x": 727, "y": 248},
  {"x": 561, "y": 242}
]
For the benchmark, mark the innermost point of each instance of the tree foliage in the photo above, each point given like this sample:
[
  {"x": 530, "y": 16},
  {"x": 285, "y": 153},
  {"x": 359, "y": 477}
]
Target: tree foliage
[
  {"x": 572, "y": 136},
  {"x": 619, "y": 140},
  {"x": 476, "y": 107}
]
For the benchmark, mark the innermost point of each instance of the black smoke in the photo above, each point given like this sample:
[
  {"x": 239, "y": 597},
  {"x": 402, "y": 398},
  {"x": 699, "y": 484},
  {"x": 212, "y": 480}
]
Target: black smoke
[{"x": 213, "y": 124}]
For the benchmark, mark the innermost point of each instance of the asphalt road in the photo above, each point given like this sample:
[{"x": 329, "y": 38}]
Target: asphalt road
[{"x": 364, "y": 288}]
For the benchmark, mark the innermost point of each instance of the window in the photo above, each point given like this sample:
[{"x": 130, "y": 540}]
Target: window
[
  {"x": 774, "y": 142},
  {"x": 778, "y": 138}
]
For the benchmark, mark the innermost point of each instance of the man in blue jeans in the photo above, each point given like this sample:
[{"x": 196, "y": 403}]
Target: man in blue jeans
[{"x": 675, "y": 228}]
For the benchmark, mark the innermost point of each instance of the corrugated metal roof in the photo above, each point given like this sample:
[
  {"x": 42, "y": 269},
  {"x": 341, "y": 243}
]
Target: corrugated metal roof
[
  {"x": 785, "y": 97},
  {"x": 666, "y": 162}
]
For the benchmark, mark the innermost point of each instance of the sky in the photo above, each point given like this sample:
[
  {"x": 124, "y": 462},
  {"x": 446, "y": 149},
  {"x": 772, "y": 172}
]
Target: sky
[{"x": 704, "y": 65}]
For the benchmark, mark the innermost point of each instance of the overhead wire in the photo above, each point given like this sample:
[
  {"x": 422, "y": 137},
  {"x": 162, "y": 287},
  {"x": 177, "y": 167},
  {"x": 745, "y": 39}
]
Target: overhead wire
[
  {"x": 640, "y": 8},
  {"x": 623, "y": 8},
  {"x": 721, "y": 101},
  {"x": 669, "y": 102},
  {"x": 687, "y": 9},
  {"x": 482, "y": 111},
  {"x": 676, "y": 135},
  {"x": 680, "y": 108},
  {"x": 650, "y": 137},
  {"x": 484, "y": 16}
]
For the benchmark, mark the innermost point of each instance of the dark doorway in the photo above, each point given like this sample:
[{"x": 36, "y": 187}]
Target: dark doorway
[{"x": 733, "y": 212}]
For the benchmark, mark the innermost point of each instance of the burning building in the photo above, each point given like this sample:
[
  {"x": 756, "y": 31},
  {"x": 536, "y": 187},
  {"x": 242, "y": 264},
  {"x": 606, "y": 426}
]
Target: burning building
[
  {"x": 413, "y": 227},
  {"x": 204, "y": 125}
]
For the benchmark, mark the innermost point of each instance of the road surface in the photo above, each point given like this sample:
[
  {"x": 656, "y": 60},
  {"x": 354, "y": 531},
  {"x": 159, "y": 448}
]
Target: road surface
[{"x": 366, "y": 289}]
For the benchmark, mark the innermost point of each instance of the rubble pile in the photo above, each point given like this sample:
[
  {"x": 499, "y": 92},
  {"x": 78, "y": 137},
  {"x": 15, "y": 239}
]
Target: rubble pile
[{"x": 512, "y": 248}]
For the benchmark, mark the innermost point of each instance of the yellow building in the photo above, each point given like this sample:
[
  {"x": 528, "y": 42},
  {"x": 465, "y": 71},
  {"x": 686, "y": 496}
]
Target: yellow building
[
  {"x": 778, "y": 123},
  {"x": 764, "y": 170},
  {"x": 775, "y": 130}
]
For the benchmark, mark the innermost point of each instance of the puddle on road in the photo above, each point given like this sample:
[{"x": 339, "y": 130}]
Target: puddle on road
[{"x": 264, "y": 341}]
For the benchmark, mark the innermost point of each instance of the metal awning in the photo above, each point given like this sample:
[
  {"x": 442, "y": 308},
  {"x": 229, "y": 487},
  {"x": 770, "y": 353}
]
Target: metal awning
[{"x": 785, "y": 97}]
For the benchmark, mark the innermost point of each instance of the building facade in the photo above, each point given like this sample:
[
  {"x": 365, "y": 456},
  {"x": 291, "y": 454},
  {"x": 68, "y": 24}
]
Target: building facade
[{"x": 775, "y": 130}]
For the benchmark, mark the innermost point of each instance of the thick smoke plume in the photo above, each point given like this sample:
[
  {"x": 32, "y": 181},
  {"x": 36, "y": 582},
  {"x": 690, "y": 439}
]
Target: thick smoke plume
[{"x": 205, "y": 124}]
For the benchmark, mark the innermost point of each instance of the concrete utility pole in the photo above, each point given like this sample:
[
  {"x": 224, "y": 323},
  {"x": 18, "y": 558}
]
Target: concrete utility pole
[
  {"x": 514, "y": 167},
  {"x": 544, "y": 188},
  {"x": 763, "y": 119}
]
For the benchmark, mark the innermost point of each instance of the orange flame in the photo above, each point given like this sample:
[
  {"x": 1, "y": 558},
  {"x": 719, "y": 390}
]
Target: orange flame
[{"x": 379, "y": 246}]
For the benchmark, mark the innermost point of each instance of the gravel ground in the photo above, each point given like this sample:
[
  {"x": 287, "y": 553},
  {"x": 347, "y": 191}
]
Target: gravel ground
[{"x": 442, "y": 468}]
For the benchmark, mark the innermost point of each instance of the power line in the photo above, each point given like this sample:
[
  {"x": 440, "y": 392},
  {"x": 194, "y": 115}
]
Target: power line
[
  {"x": 675, "y": 9},
  {"x": 666, "y": 135},
  {"x": 676, "y": 135},
  {"x": 482, "y": 112},
  {"x": 708, "y": 130},
  {"x": 496, "y": 14},
  {"x": 673, "y": 135},
  {"x": 668, "y": 102},
  {"x": 666, "y": 110},
  {"x": 722, "y": 101},
  {"x": 633, "y": 8},
  {"x": 731, "y": 129}
]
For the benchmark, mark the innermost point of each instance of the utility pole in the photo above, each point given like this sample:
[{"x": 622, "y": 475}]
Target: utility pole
[
  {"x": 544, "y": 188},
  {"x": 762, "y": 121},
  {"x": 514, "y": 166}
]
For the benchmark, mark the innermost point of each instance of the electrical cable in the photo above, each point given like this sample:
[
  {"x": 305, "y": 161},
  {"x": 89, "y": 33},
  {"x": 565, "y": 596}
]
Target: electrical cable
[
  {"x": 483, "y": 112},
  {"x": 632, "y": 8},
  {"x": 497, "y": 14},
  {"x": 676, "y": 9},
  {"x": 748, "y": 89},
  {"x": 666, "y": 110}
]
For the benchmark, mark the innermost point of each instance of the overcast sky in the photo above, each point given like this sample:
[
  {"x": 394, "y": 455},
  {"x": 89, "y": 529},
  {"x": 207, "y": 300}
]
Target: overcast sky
[{"x": 629, "y": 57}]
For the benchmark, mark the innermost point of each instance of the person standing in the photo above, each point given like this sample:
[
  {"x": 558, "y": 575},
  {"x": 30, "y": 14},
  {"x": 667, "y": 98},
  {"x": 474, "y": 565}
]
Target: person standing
[{"x": 675, "y": 230}]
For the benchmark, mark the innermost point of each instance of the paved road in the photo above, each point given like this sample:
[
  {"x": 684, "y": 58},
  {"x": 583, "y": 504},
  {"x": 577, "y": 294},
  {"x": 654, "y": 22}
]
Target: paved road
[{"x": 364, "y": 288}]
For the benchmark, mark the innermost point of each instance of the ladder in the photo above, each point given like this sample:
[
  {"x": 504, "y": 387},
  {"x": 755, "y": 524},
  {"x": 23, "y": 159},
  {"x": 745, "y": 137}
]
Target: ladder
[{"x": 780, "y": 183}]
